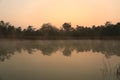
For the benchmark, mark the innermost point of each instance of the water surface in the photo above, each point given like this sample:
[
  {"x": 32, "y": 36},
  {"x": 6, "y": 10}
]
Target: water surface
[{"x": 59, "y": 60}]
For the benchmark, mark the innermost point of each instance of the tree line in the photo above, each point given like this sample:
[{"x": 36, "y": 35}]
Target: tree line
[{"x": 48, "y": 31}]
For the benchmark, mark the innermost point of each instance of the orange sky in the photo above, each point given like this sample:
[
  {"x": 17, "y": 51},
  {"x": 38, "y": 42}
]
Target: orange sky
[{"x": 78, "y": 12}]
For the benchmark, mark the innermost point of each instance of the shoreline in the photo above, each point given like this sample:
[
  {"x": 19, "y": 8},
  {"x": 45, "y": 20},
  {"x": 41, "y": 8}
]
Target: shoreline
[{"x": 61, "y": 38}]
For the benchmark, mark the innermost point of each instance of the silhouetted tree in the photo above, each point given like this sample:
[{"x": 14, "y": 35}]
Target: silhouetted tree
[
  {"x": 67, "y": 30},
  {"x": 48, "y": 30},
  {"x": 66, "y": 26},
  {"x": 29, "y": 31},
  {"x": 5, "y": 28}
]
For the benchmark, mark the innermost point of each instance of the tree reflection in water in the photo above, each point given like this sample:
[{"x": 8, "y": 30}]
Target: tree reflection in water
[{"x": 107, "y": 47}]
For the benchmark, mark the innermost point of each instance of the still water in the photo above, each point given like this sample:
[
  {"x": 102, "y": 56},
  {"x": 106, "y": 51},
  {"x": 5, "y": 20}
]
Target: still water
[{"x": 60, "y": 60}]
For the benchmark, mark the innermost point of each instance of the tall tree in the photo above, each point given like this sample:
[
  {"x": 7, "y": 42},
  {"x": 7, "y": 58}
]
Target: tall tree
[{"x": 66, "y": 26}]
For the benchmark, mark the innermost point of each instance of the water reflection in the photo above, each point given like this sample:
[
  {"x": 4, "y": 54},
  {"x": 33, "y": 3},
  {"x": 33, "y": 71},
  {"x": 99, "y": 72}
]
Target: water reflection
[
  {"x": 80, "y": 60},
  {"x": 106, "y": 47},
  {"x": 118, "y": 71},
  {"x": 107, "y": 70}
]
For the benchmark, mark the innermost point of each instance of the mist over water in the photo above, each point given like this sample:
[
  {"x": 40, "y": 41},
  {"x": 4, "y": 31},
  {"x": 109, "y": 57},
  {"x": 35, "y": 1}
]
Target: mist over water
[{"x": 59, "y": 60}]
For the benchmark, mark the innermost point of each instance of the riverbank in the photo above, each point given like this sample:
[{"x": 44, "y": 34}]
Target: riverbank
[{"x": 61, "y": 38}]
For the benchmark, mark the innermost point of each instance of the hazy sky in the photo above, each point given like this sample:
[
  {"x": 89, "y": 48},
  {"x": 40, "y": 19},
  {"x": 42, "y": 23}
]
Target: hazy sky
[{"x": 78, "y": 12}]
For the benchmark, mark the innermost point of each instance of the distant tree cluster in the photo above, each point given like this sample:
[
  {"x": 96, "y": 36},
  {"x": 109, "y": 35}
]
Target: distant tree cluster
[{"x": 48, "y": 31}]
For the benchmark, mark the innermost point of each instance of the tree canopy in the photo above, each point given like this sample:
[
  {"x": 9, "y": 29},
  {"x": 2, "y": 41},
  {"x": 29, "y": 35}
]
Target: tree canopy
[{"x": 48, "y": 31}]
